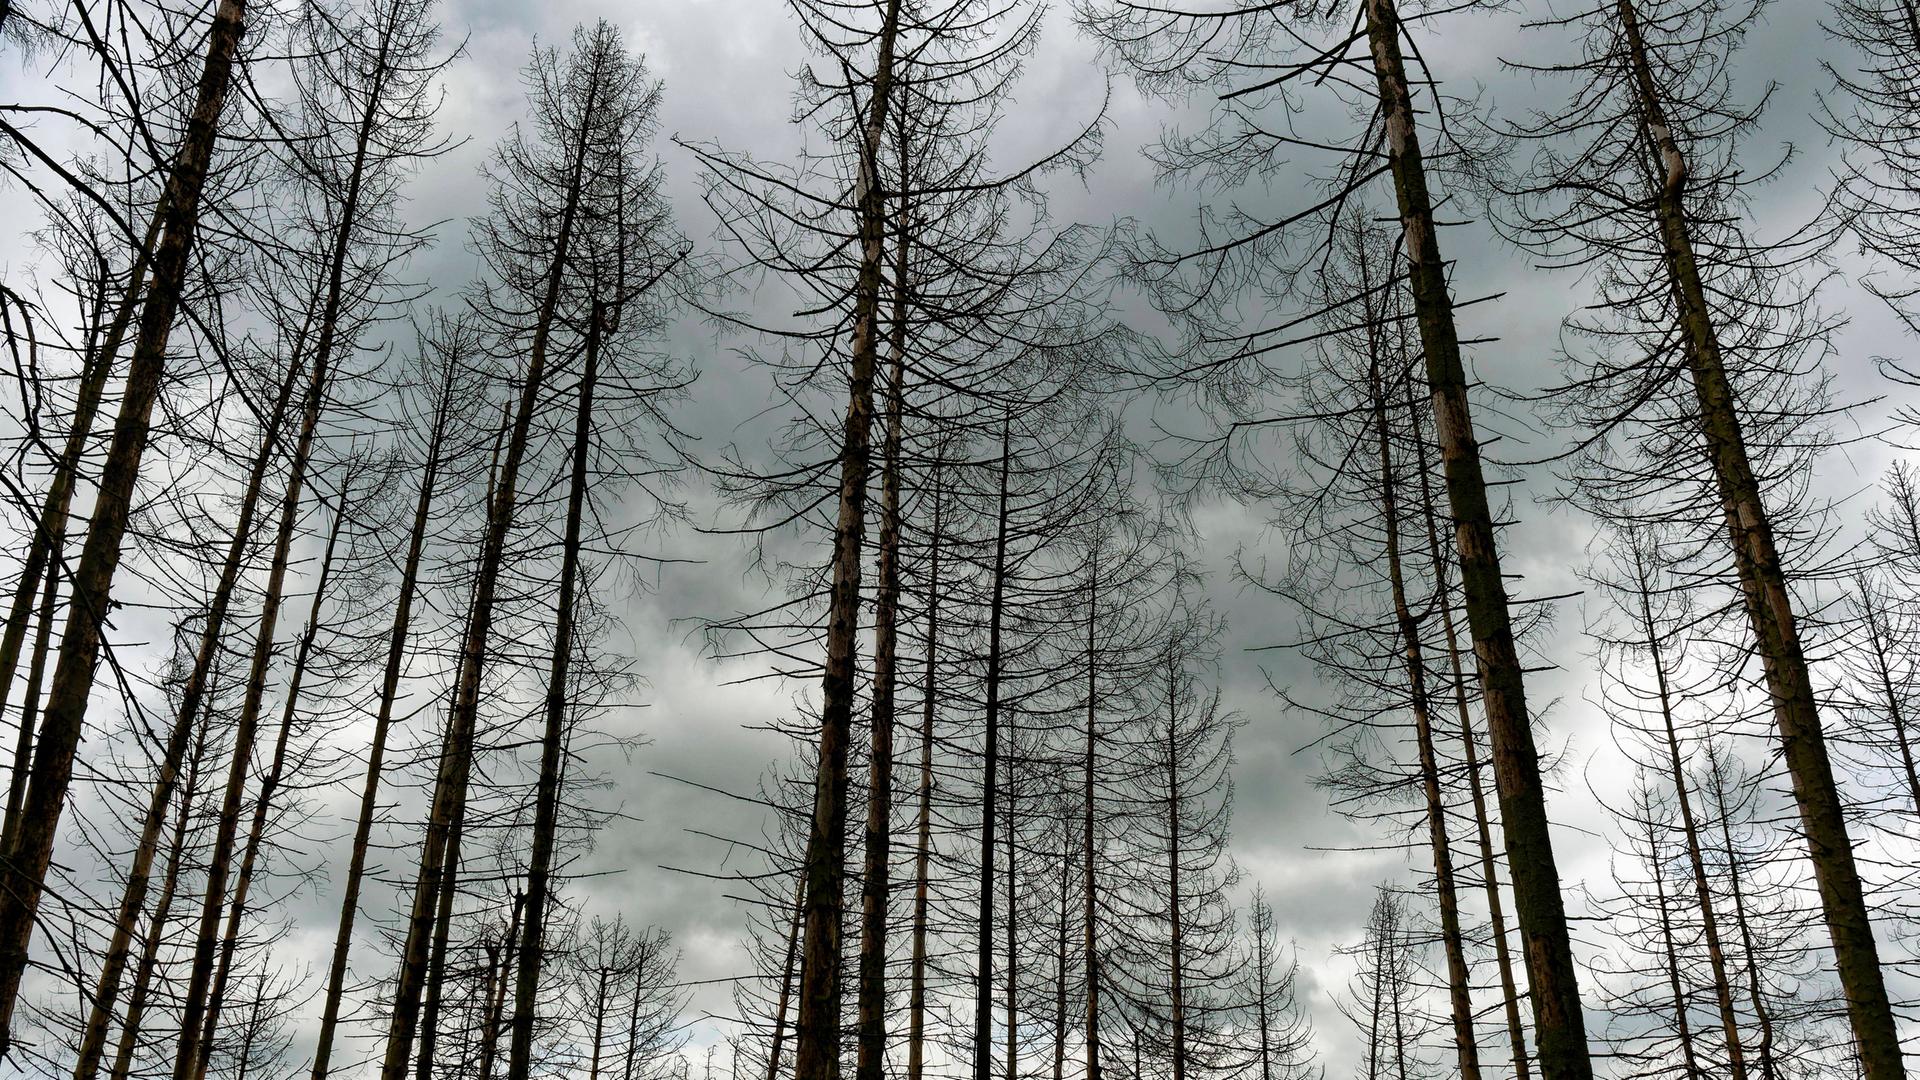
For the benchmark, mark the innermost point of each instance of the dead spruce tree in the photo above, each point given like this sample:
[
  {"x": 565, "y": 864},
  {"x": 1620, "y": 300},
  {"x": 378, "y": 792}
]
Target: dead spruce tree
[
  {"x": 556, "y": 187},
  {"x": 1702, "y": 352},
  {"x": 23, "y": 875},
  {"x": 1248, "y": 141}
]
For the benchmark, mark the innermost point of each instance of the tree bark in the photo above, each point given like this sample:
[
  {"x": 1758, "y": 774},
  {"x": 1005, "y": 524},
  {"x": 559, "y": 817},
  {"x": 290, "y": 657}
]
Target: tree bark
[
  {"x": 817, "y": 1031},
  {"x": 989, "y": 784},
  {"x": 923, "y": 839},
  {"x": 1768, "y": 602},
  {"x": 23, "y": 870},
  {"x": 546, "y": 811},
  {"x": 1559, "y": 1024}
]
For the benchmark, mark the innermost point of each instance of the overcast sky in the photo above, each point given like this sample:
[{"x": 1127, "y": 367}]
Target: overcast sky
[{"x": 728, "y": 67}]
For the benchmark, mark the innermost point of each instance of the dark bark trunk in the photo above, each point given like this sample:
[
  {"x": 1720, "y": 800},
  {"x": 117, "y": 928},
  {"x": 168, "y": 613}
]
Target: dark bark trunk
[
  {"x": 23, "y": 871},
  {"x": 1559, "y": 1024},
  {"x": 1768, "y": 602},
  {"x": 989, "y": 786},
  {"x": 553, "y": 743}
]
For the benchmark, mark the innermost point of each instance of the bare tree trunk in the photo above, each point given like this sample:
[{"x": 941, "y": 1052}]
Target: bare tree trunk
[
  {"x": 816, "y": 1057},
  {"x": 1489, "y": 864},
  {"x": 1671, "y": 955},
  {"x": 450, "y": 784},
  {"x": 787, "y": 971},
  {"x": 989, "y": 785},
  {"x": 497, "y": 1003},
  {"x": 442, "y": 938},
  {"x": 188, "y": 717},
  {"x": 23, "y": 870},
  {"x": 1176, "y": 945},
  {"x": 1558, "y": 1023},
  {"x": 1090, "y": 898},
  {"x": 1459, "y": 978},
  {"x": 269, "y": 788},
  {"x": 546, "y": 810},
  {"x": 1060, "y": 963},
  {"x": 1880, "y": 648},
  {"x": 1769, "y": 604},
  {"x": 130, "y": 1025},
  {"x": 599, "y": 1024},
  {"x": 923, "y": 839},
  {"x": 50, "y": 530},
  {"x": 1677, "y": 773},
  {"x": 377, "y": 745},
  {"x": 1769, "y": 1069},
  {"x": 871, "y": 1057}
]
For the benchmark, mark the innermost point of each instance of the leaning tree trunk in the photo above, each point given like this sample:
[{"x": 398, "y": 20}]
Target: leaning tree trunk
[
  {"x": 188, "y": 717},
  {"x": 23, "y": 870},
  {"x": 546, "y": 806},
  {"x": 1670, "y": 955},
  {"x": 377, "y": 744},
  {"x": 1756, "y": 999},
  {"x": 1469, "y": 744},
  {"x": 817, "y": 1030},
  {"x": 263, "y": 802},
  {"x": 144, "y": 971},
  {"x": 1677, "y": 774},
  {"x": 1769, "y": 603},
  {"x": 50, "y": 532},
  {"x": 1559, "y": 1024},
  {"x": 1880, "y": 650},
  {"x": 1420, "y": 701},
  {"x": 450, "y": 781}
]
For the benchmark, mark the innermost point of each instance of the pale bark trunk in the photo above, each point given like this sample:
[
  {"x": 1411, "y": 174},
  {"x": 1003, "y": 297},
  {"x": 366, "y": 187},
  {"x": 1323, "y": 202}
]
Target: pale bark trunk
[
  {"x": 1559, "y": 1024},
  {"x": 23, "y": 871},
  {"x": 871, "y": 1055},
  {"x": 817, "y": 1031},
  {"x": 1769, "y": 603}
]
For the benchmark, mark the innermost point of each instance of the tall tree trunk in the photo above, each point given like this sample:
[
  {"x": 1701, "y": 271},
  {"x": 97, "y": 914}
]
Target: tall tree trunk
[
  {"x": 23, "y": 870},
  {"x": 1470, "y": 749},
  {"x": 450, "y": 784},
  {"x": 989, "y": 784},
  {"x": 1769, "y": 604},
  {"x": 1880, "y": 649},
  {"x": 875, "y": 886},
  {"x": 1671, "y": 957},
  {"x": 1459, "y": 978},
  {"x": 497, "y": 1003},
  {"x": 817, "y": 1055},
  {"x": 377, "y": 745},
  {"x": 923, "y": 833},
  {"x": 1176, "y": 921},
  {"x": 1677, "y": 774},
  {"x": 144, "y": 971},
  {"x": 50, "y": 529},
  {"x": 1060, "y": 955},
  {"x": 1089, "y": 886},
  {"x": 200, "y": 1001},
  {"x": 442, "y": 941},
  {"x": 269, "y": 788},
  {"x": 1756, "y": 1000},
  {"x": 188, "y": 718},
  {"x": 788, "y": 970},
  {"x": 546, "y": 808},
  {"x": 1558, "y": 1023}
]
